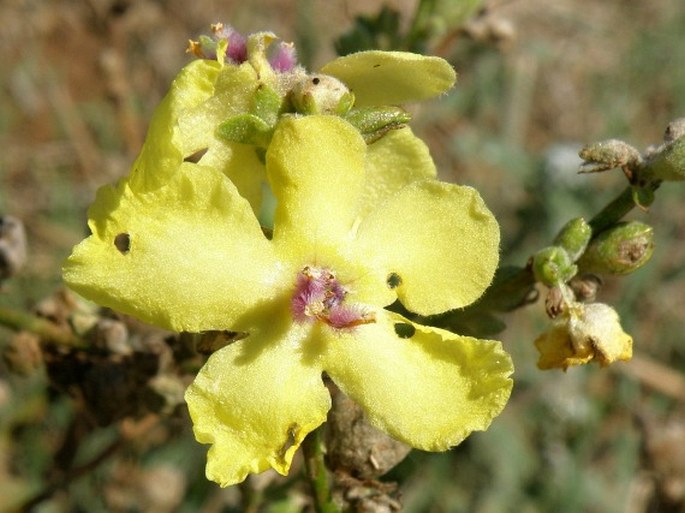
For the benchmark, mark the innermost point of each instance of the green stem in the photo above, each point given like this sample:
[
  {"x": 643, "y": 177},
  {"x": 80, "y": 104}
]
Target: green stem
[
  {"x": 317, "y": 474},
  {"x": 18, "y": 320},
  {"x": 613, "y": 212}
]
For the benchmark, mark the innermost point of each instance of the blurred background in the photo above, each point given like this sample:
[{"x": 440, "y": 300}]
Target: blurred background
[{"x": 78, "y": 82}]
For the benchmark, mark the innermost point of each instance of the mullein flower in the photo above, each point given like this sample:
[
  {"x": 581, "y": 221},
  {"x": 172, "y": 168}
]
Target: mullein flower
[
  {"x": 187, "y": 253},
  {"x": 582, "y": 333}
]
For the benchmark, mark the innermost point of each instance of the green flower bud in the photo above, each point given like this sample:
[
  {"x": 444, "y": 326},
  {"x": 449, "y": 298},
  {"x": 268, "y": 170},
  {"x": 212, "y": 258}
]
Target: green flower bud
[
  {"x": 574, "y": 237},
  {"x": 621, "y": 249},
  {"x": 321, "y": 94},
  {"x": 553, "y": 265}
]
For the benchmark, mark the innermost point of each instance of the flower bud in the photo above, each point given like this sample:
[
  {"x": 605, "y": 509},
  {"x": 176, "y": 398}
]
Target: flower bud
[
  {"x": 669, "y": 162},
  {"x": 574, "y": 237},
  {"x": 321, "y": 94},
  {"x": 622, "y": 249},
  {"x": 553, "y": 265}
]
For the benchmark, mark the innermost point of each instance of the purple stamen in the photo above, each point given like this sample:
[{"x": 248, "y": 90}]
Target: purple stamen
[{"x": 320, "y": 296}]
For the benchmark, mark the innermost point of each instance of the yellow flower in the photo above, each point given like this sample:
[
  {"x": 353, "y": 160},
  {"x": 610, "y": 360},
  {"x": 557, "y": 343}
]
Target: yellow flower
[
  {"x": 584, "y": 332},
  {"x": 189, "y": 255}
]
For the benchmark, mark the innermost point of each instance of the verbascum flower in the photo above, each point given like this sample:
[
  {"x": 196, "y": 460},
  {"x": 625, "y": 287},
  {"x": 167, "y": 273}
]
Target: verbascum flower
[
  {"x": 188, "y": 254},
  {"x": 221, "y": 110},
  {"x": 584, "y": 332}
]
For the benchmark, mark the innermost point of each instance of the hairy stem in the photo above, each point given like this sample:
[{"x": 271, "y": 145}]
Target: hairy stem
[{"x": 613, "y": 212}]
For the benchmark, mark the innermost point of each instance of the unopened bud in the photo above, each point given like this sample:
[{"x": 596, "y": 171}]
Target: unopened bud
[
  {"x": 321, "y": 94},
  {"x": 669, "y": 162},
  {"x": 574, "y": 237},
  {"x": 553, "y": 265},
  {"x": 621, "y": 249}
]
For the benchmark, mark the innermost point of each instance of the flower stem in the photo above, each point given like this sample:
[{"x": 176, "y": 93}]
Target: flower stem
[
  {"x": 19, "y": 321},
  {"x": 315, "y": 470},
  {"x": 613, "y": 212}
]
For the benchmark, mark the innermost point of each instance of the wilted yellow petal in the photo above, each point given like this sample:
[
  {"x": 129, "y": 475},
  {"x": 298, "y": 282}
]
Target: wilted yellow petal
[
  {"x": 584, "y": 332},
  {"x": 430, "y": 390},
  {"x": 557, "y": 350},
  {"x": 256, "y": 400},
  {"x": 599, "y": 326},
  {"x": 386, "y": 78},
  {"x": 189, "y": 256},
  {"x": 437, "y": 242}
]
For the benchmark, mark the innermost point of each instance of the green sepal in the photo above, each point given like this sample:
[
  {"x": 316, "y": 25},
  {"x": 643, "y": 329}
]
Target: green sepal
[
  {"x": 374, "y": 122},
  {"x": 246, "y": 129},
  {"x": 267, "y": 104}
]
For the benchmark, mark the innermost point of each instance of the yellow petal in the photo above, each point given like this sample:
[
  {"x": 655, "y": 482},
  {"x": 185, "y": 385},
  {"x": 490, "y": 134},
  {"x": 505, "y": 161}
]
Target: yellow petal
[
  {"x": 438, "y": 242},
  {"x": 188, "y": 256},
  {"x": 387, "y": 78},
  {"x": 256, "y": 400},
  {"x": 315, "y": 165},
  {"x": 165, "y": 145},
  {"x": 203, "y": 95},
  {"x": 395, "y": 160},
  {"x": 430, "y": 390},
  {"x": 239, "y": 162},
  {"x": 232, "y": 93}
]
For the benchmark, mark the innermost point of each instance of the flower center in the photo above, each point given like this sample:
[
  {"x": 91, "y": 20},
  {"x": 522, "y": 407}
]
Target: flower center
[{"x": 320, "y": 296}]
